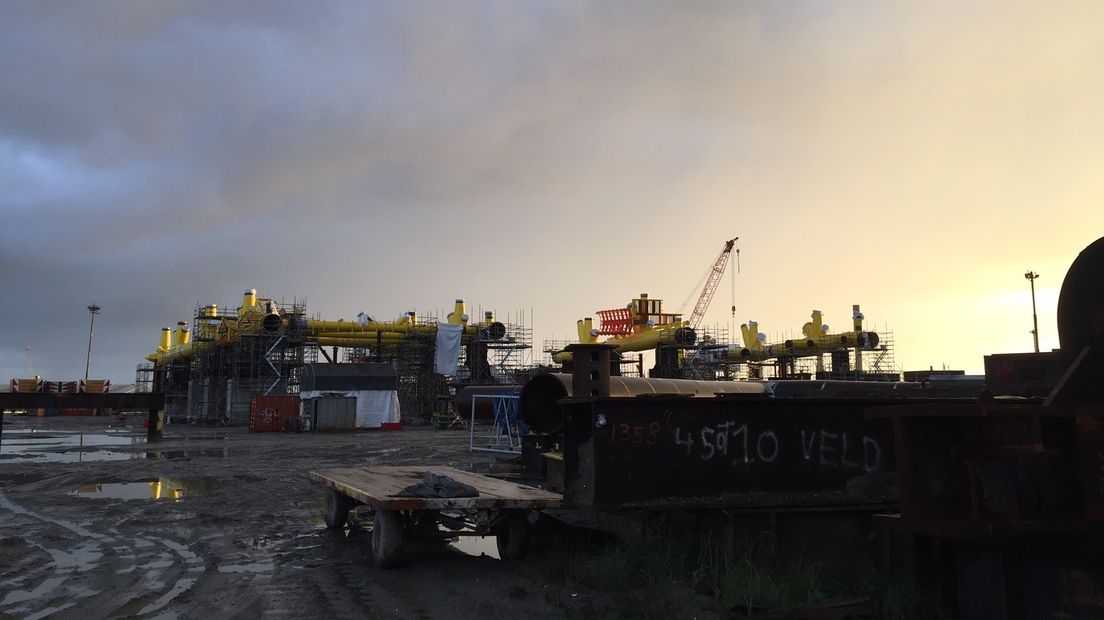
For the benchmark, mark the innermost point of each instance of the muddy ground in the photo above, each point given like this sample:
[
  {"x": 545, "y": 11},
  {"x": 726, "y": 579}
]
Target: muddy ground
[{"x": 237, "y": 532}]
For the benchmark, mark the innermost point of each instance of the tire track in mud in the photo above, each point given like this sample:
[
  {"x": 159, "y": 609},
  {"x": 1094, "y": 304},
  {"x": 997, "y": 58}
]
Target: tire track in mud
[{"x": 152, "y": 564}]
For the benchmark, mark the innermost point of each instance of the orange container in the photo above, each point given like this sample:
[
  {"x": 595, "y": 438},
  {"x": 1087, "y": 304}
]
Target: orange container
[{"x": 274, "y": 413}]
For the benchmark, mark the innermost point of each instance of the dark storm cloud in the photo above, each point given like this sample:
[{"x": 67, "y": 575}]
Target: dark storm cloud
[{"x": 381, "y": 156}]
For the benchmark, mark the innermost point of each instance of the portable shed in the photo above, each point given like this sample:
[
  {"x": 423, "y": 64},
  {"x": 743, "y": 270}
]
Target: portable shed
[{"x": 373, "y": 386}]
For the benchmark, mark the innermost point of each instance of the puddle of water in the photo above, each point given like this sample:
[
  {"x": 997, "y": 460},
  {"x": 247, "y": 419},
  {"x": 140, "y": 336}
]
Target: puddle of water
[
  {"x": 31, "y": 445},
  {"x": 50, "y": 447},
  {"x": 66, "y": 457},
  {"x": 187, "y": 453},
  {"x": 477, "y": 546},
  {"x": 173, "y": 489},
  {"x": 263, "y": 566}
]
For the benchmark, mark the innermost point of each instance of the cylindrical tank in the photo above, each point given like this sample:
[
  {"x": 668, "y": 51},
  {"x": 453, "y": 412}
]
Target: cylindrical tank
[
  {"x": 166, "y": 339},
  {"x": 835, "y": 389},
  {"x": 178, "y": 333},
  {"x": 484, "y": 408},
  {"x": 539, "y": 408},
  {"x": 249, "y": 299},
  {"x": 459, "y": 313},
  {"x": 1081, "y": 302},
  {"x": 271, "y": 323}
]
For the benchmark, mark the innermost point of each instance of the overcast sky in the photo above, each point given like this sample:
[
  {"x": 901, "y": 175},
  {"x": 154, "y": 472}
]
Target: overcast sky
[{"x": 913, "y": 157}]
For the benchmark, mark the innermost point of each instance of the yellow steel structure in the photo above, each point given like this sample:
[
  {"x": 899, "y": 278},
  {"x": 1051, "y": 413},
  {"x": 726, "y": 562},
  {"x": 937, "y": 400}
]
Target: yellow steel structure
[
  {"x": 587, "y": 333},
  {"x": 651, "y": 327},
  {"x": 816, "y": 339},
  {"x": 257, "y": 314}
]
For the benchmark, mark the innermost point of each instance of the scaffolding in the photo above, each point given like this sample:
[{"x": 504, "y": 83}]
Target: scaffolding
[
  {"x": 217, "y": 383},
  {"x": 485, "y": 359},
  {"x": 143, "y": 378},
  {"x": 233, "y": 358}
]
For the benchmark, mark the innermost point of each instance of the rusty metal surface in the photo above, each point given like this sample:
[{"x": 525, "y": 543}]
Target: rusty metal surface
[
  {"x": 1023, "y": 374},
  {"x": 484, "y": 410},
  {"x": 670, "y": 450},
  {"x": 540, "y": 397},
  {"x": 995, "y": 470}
]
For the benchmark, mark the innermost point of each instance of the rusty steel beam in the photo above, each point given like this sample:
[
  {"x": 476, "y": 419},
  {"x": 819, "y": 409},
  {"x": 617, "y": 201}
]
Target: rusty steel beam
[{"x": 672, "y": 451}]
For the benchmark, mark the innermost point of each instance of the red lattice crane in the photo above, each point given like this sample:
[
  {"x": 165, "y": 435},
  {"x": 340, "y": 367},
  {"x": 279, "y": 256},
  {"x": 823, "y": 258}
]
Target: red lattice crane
[{"x": 711, "y": 284}]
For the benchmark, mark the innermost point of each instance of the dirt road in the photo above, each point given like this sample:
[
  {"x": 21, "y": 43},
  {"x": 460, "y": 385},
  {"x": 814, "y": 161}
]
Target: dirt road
[{"x": 221, "y": 522}]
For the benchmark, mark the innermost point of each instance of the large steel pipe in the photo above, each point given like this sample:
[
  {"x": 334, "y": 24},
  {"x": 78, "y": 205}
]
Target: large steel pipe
[
  {"x": 965, "y": 387},
  {"x": 1081, "y": 302},
  {"x": 643, "y": 341},
  {"x": 541, "y": 411},
  {"x": 484, "y": 408}
]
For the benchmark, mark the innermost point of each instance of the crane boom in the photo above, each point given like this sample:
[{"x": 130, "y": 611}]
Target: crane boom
[{"x": 711, "y": 284}]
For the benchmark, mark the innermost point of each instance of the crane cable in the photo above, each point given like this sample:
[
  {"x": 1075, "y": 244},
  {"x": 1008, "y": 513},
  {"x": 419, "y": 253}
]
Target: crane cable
[{"x": 733, "y": 273}]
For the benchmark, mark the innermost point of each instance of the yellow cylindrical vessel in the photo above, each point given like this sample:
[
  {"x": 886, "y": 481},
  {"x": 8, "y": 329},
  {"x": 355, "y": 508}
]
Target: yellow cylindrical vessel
[
  {"x": 641, "y": 341},
  {"x": 459, "y": 313},
  {"x": 249, "y": 301},
  {"x": 166, "y": 339}
]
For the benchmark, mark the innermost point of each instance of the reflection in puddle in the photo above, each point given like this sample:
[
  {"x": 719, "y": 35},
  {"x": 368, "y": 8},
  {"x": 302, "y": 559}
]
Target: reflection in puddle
[
  {"x": 67, "y": 457},
  {"x": 163, "y": 488},
  {"x": 30, "y": 446},
  {"x": 477, "y": 546},
  {"x": 50, "y": 447},
  {"x": 188, "y": 453}
]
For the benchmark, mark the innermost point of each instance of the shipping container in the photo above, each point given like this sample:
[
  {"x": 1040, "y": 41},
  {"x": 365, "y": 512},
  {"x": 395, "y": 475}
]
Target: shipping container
[{"x": 274, "y": 413}]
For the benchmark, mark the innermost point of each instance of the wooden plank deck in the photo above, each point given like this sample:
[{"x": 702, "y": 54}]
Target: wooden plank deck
[{"x": 377, "y": 487}]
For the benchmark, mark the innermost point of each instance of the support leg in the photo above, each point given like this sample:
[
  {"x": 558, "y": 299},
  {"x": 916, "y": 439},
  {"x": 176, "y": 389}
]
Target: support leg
[{"x": 156, "y": 424}]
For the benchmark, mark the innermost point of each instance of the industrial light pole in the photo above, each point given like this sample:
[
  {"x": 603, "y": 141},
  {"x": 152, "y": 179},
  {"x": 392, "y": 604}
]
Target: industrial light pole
[
  {"x": 1031, "y": 275},
  {"x": 94, "y": 309}
]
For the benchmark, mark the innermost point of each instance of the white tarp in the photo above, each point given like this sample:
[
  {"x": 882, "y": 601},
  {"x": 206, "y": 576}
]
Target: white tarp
[
  {"x": 373, "y": 407},
  {"x": 448, "y": 348}
]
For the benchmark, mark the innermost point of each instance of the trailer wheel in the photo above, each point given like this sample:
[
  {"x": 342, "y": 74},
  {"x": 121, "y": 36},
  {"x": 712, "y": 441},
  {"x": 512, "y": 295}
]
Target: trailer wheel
[
  {"x": 513, "y": 536},
  {"x": 387, "y": 538},
  {"x": 336, "y": 512}
]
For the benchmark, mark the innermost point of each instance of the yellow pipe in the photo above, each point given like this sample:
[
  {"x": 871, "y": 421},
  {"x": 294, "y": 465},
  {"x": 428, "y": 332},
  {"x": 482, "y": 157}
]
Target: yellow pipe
[
  {"x": 816, "y": 328},
  {"x": 335, "y": 341},
  {"x": 750, "y": 332},
  {"x": 176, "y": 352},
  {"x": 644, "y": 340},
  {"x": 249, "y": 301},
  {"x": 459, "y": 313},
  {"x": 166, "y": 339},
  {"x": 587, "y": 333},
  {"x": 403, "y": 327},
  {"x": 365, "y": 336},
  {"x": 809, "y": 347},
  {"x": 351, "y": 329}
]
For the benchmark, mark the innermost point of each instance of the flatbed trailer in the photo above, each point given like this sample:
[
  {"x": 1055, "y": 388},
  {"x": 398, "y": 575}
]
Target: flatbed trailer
[{"x": 501, "y": 509}]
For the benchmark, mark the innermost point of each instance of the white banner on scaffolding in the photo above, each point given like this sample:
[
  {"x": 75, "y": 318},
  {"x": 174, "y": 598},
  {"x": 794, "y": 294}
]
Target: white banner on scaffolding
[{"x": 448, "y": 348}]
